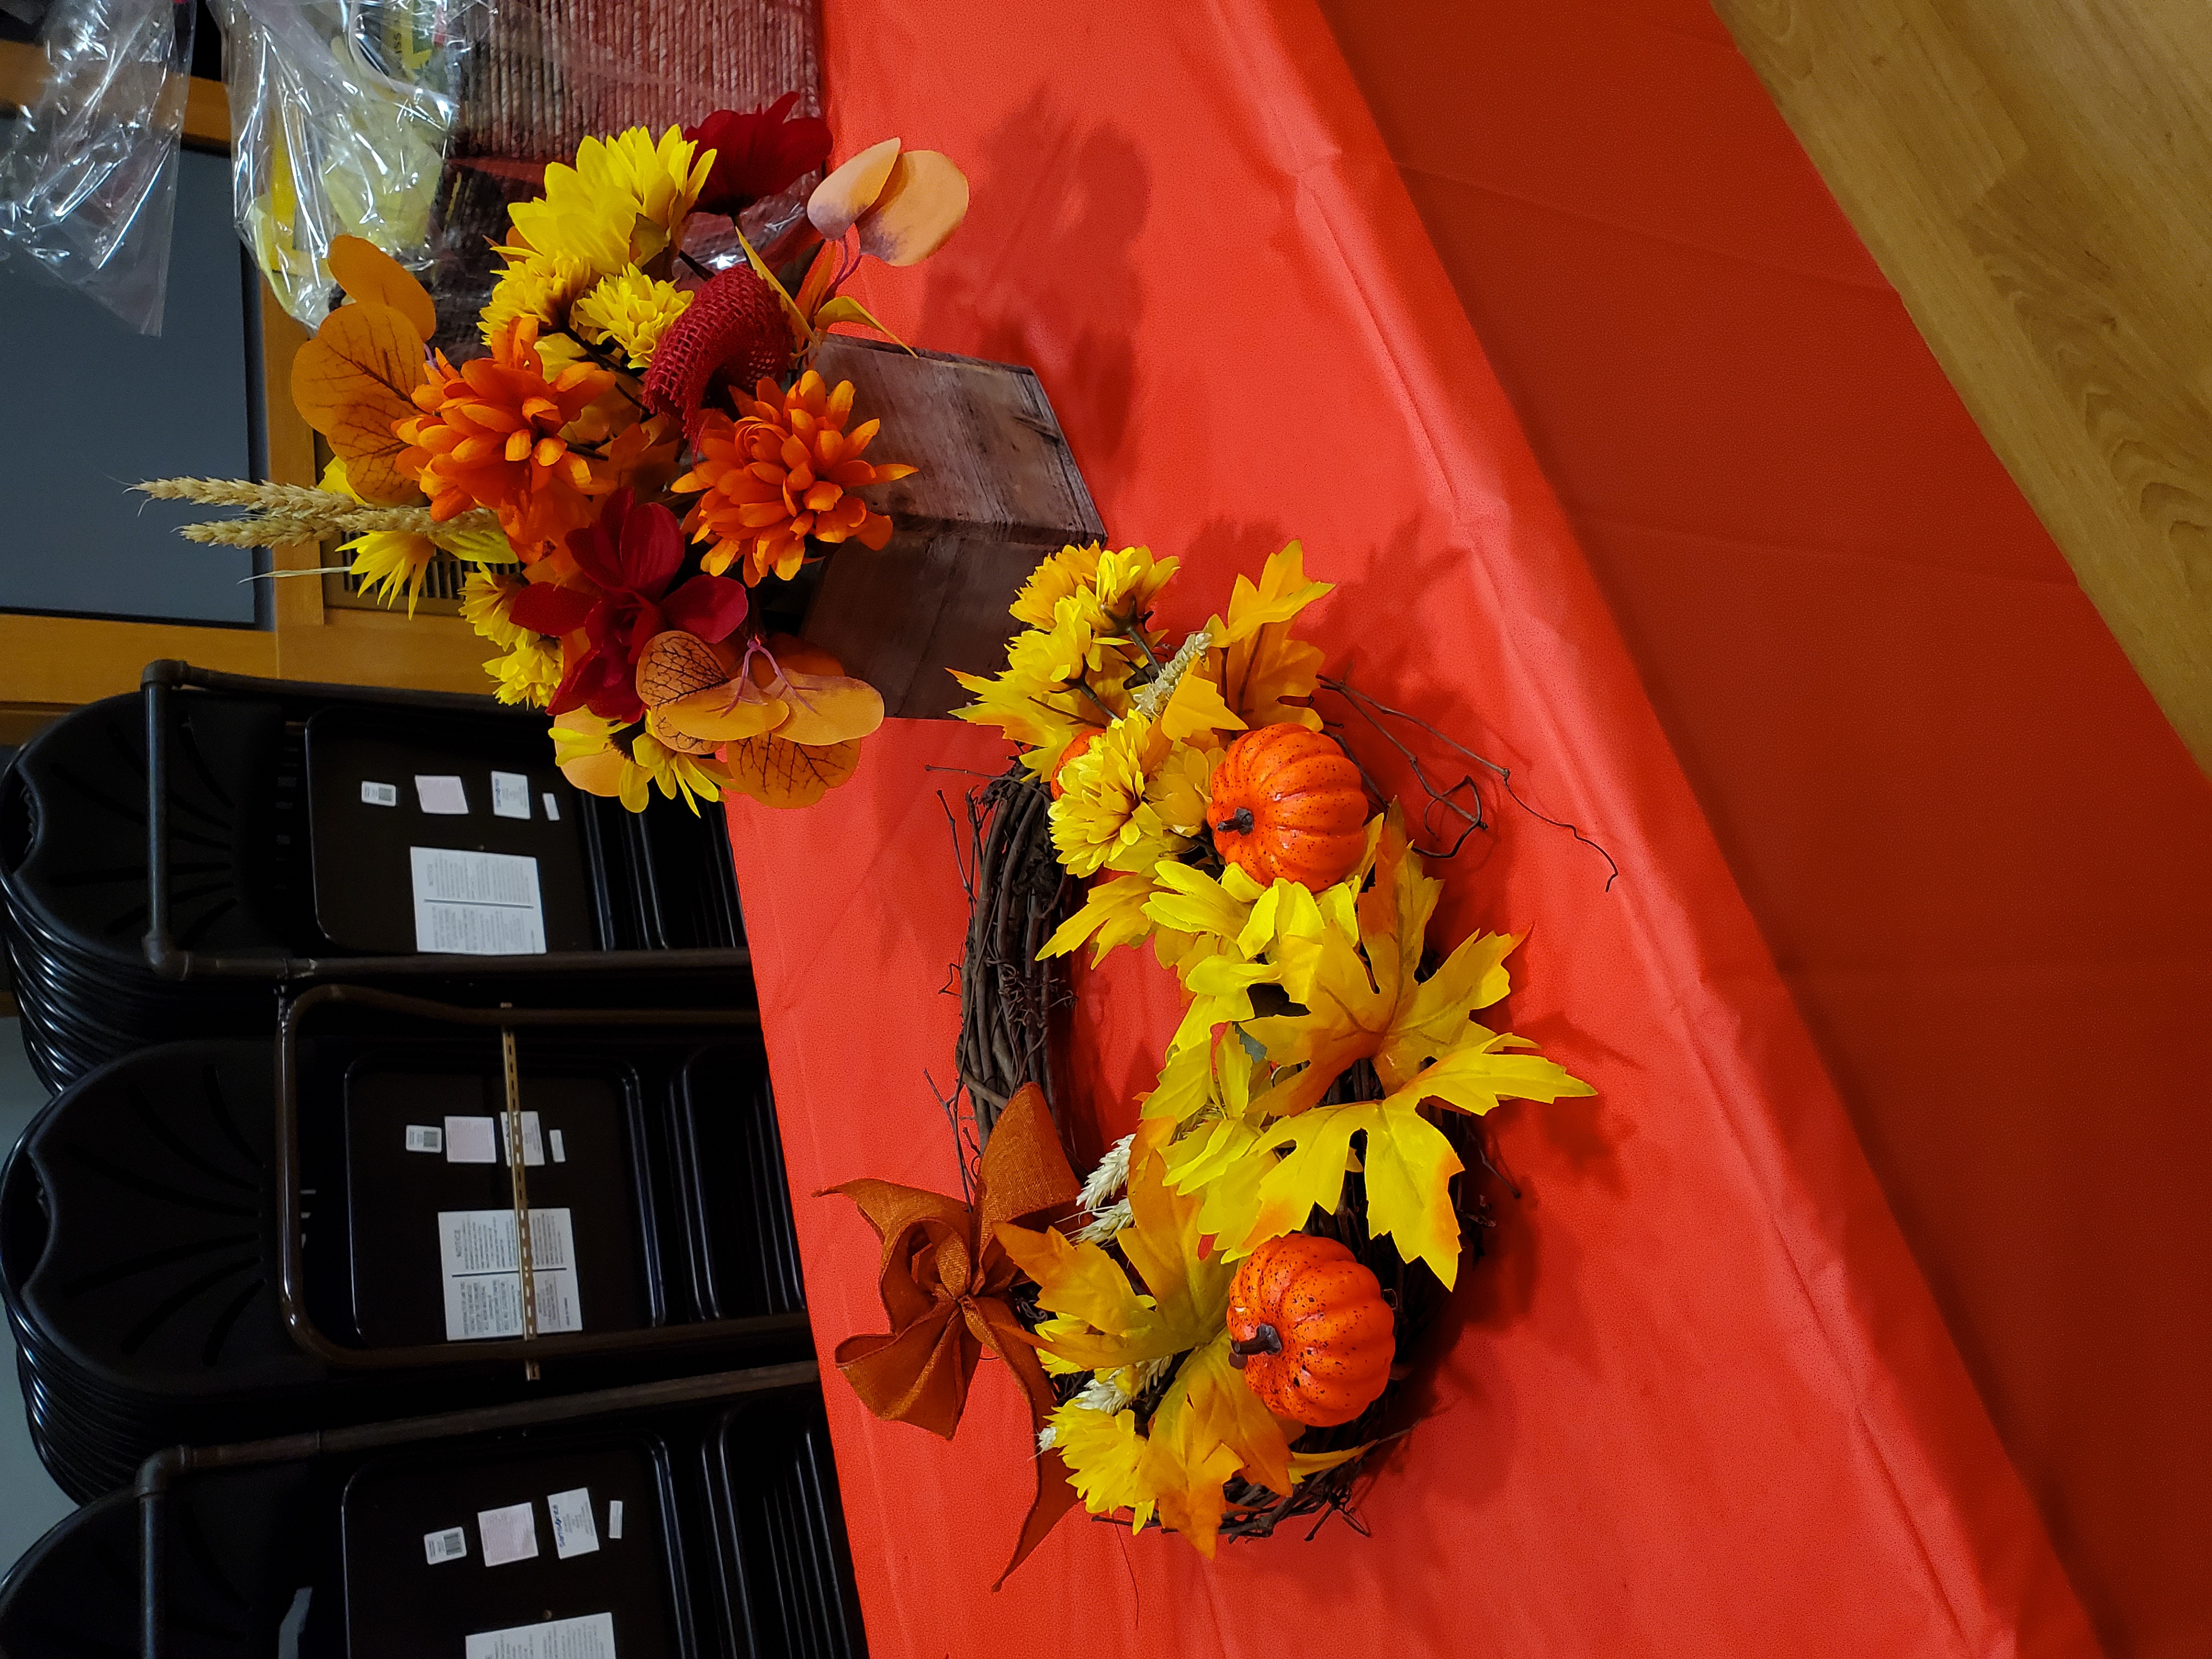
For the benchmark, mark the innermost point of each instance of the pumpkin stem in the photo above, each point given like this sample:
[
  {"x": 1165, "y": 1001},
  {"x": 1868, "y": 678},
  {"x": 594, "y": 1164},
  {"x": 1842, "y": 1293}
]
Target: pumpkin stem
[
  {"x": 1239, "y": 823},
  {"x": 1266, "y": 1339}
]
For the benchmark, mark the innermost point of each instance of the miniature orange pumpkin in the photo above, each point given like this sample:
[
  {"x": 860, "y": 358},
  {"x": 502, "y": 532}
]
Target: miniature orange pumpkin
[
  {"x": 1287, "y": 802},
  {"x": 1081, "y": 742},
  {"x": 1309, "y": 1329}
]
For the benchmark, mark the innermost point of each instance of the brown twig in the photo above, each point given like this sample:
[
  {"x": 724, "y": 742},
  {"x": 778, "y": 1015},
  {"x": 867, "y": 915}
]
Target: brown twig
[
  {"x": 1371, "y": 709},
  {"x": 1017, "y": 893}
]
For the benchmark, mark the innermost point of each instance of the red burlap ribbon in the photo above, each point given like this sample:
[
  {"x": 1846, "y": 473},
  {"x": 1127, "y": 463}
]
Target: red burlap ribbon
[{"x": 943, "y": 1285}]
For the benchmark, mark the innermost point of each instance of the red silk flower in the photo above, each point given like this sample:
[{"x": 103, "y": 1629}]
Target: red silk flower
[
  {"x": 758, "y": 154},
  {"x": 632, "y": 553}
]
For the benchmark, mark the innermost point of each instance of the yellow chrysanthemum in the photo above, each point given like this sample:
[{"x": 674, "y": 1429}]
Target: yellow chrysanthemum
[
  {"x": 538, "y": 285},
  {"x": 485, "y": 597},
  {"x": 1128, "y": 581},
  {"x": 389, "y": 563},
  {"x": 622, "y": 204},
  {"x": 1130, "y": 799},
  {"x": 633, "y": 310},
  {"x": 528, "y": 673},
  {"x": 1059, "y": 576}
]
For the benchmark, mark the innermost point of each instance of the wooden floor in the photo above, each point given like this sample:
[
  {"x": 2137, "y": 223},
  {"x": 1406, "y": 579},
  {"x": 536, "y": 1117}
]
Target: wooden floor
[{"x": 2033, "y": 176}]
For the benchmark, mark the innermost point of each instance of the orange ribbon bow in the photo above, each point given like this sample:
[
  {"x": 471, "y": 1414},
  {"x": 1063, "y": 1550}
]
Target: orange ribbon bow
[{"x": 943, "y": 1285}]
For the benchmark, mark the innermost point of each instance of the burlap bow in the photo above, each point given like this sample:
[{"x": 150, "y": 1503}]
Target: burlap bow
[{"x": 943, "y": 1285}]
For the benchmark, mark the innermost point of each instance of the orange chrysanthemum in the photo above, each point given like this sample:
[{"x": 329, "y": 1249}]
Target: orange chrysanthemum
[
  {"x": 783, "y": 474},
  {"x": 490, "y": 436}
]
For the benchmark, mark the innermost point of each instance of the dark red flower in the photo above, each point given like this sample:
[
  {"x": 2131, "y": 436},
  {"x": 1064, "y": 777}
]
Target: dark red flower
[
  {"x": 758, "y": 154},
  {"x": 632, "y": 553},
  {"x": 734, "y": 329}
]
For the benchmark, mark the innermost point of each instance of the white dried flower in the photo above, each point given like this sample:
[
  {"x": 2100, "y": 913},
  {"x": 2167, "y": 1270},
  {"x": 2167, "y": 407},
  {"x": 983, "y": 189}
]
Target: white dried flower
[
  {"x": 1105, "y": 1223},
  {"x": 1046, "y": 1437},
  {"x": 1110, "y": 1177},
  {"x": 1102, "y": 1393},
  {"x": 1150, "y": 699}
]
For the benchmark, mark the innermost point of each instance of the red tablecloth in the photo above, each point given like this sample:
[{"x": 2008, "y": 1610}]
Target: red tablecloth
[{"x": 1700, "y": 1402}]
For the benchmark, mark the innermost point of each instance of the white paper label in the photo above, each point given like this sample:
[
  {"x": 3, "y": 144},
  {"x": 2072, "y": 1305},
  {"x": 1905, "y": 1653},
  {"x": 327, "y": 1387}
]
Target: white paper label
[
  {"x": 614, "y": 1519},
  {"x": 560, "y": 1147},
  {"x": 484, "y": 1278},
  {"x": 422, "y": 1138},
  {"x": 533, "y": 1141},
  {"x": 510, "y": 795},
  {"x": 592, "y": 1637},
  {"x": 477, "y": 904},
  {"x": 509, "y": 1535},
  {"x": 552, "y": 807},
  {"x": 450, "y": 1545},
  {"x": 380, "y": 794},
  {"x": 442, "y": 797},
  {"x": 575, "y": 1530},
  {"x": 471, "y": 1140}
]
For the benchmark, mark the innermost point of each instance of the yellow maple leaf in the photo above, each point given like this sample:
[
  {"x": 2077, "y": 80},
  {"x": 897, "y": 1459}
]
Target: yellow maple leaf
[
  {"x": 1208, "y": 1425},
  {"x": 1257, "y": 668},
  {"x": 1114, "y": 913},
  {"x": 1262, "y": 1168},
  {"x": 1196, "y": 709},
  {"x": 1274, "y": 1177},
  {"x": 1188, "y": 1291}
]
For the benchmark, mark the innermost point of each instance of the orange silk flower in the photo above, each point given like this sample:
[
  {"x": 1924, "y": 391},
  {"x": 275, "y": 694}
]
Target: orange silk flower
[
  {"x": 490, "y": 436},
  {"x": 944, "y": 1284},
  {"x": 782, "y": 475}
]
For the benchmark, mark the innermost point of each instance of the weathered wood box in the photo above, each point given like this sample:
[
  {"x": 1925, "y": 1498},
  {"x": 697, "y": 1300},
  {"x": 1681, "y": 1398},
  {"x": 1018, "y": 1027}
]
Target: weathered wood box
[{"x": 997, "y": 491}]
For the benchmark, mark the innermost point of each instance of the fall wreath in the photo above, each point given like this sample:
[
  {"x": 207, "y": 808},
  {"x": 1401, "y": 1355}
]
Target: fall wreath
[{"x": 1213, "y": 1328}]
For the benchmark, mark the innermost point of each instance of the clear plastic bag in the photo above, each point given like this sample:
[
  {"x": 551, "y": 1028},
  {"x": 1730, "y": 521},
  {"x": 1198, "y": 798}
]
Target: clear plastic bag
[
  {"x": 88, "y": 173},
  {"x": 340, "y": 113},
  {"x": 411, "y": 124}
]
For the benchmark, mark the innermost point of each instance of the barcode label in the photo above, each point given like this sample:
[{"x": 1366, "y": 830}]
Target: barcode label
[
  {"x": 510, "y": 795},
  {"x": 450, "y": 1545},
  {"x": 422, "y": 1138},
  {"x": 380, "y": 794}
]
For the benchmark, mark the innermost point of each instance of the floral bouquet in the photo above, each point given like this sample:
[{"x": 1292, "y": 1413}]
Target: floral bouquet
[
  {"x": 641, "y": 445},
  {"x": 1210, "y": 1326}
]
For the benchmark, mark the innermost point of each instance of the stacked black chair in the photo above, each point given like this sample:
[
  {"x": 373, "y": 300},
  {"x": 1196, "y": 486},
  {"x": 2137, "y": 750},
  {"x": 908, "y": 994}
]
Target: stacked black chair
[
  {"x": 143, "y": 1222},
  {"x": 274, "y": 1195},
  {"x": 166, "y": 860},
  {"x": 684, "y": 1522}
]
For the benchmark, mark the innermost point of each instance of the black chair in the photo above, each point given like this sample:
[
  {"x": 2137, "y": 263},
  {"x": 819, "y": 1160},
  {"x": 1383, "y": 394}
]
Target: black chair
[
  {"x": 250, "y": 1557},
  {"x": 168, "y": 861},
  {"x": 151, "y": 1215},
  {"x": 691, "y": 1520}
]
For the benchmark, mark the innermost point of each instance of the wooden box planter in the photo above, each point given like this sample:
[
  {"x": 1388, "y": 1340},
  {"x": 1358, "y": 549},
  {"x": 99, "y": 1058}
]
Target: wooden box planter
[{"x": 998, "y": 490}]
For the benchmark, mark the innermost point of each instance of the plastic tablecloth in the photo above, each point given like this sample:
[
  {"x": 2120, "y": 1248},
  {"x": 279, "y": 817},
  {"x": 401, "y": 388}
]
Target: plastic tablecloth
[{"x": 1699, "y": 1400}]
